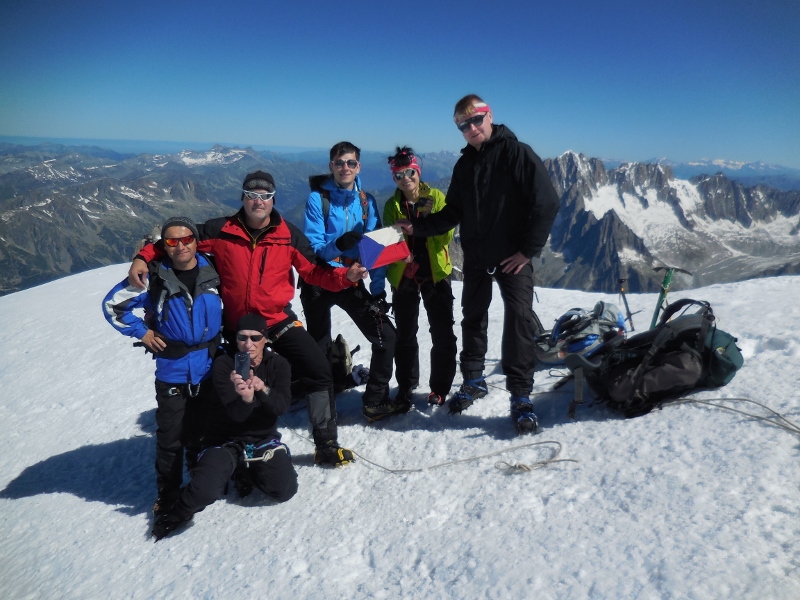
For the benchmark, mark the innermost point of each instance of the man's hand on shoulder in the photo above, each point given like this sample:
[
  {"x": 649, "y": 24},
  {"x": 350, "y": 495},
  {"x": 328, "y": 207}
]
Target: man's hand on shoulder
[{"x": 137, "y": 274}]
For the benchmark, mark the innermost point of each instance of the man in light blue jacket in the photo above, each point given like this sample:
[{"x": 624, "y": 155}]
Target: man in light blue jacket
[
  {"x": 183, "y": 319},
  {"x": 338, "y": 213}
]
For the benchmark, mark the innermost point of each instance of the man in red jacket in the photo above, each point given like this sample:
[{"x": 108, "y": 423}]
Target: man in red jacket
[{"x": 254, "y": 252}]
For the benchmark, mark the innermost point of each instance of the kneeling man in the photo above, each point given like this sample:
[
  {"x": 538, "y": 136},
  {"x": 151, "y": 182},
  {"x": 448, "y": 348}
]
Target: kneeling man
[{"x": 242, "y": 434}]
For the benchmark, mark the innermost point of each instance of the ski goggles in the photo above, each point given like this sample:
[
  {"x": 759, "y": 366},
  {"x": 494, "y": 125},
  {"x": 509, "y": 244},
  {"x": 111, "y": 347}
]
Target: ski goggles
[
  {"x": 340, "y": 163},
  {"x": 173, "y": 242},
  {"x": 264, "y": 196},
  {"x": 243, "y": 337}
]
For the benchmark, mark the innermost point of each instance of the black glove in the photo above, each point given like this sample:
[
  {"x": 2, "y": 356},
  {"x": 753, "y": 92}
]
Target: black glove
[
  {"x": 348, "y": 240},
  {"x": 379, "y": 303}
]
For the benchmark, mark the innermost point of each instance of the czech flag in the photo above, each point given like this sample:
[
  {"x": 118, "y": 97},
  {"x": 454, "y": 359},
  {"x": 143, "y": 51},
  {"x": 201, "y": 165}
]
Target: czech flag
[{"x": 383, "y": 247}]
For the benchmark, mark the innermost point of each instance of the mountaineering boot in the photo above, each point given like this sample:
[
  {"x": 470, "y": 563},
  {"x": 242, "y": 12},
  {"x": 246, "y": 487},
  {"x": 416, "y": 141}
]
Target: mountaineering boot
[
  {"x": 522, "y": 414},
  {"x": 435, "y": 399},
  {"x": 470, "y": 390},
  {"x": 167, "y": 523},
  {"x": 330, "y": 453},
  {"x": 375, "y": 412}
]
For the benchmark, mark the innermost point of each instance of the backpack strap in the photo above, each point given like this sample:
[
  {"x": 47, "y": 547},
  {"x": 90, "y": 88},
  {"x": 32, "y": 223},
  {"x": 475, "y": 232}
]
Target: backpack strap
[
  {"x": 325, "y": 196},
  {"x": 364, "y": 207},
  {"x": 673, "y": 308}
]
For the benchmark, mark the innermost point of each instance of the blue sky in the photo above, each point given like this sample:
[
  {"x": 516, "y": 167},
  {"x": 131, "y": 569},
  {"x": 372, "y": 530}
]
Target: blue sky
[{"x": 630, "y": 80}]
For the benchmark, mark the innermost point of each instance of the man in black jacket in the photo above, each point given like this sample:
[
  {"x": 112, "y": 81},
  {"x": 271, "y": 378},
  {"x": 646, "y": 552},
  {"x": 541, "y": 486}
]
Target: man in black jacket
[
  {"x": 502, "y": 197},
  {"x": 242, "y": 437}
]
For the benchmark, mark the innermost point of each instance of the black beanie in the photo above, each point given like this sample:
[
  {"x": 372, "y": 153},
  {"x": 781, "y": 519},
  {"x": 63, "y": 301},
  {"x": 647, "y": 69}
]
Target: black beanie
[
  {"x": 180, "y": 222},
  {"x": 252, "y": 322},
  {"x": 259, "y": 181}
]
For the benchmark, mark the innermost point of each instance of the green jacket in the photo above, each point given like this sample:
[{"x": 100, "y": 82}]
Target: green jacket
[{"x": 438, "y": 252}]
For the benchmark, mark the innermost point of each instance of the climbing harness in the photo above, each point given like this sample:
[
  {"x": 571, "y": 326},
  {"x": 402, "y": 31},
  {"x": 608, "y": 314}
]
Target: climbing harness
[{"x": 249, "y": 451}]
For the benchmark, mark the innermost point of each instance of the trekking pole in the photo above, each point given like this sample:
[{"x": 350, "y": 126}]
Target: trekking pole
[
  {"x": 625, "y": 301},
  {"x": 662, "y": 295}
]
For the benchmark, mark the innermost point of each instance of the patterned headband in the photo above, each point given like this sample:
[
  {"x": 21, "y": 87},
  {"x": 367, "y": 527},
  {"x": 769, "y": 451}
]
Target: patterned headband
[
  {"x": 471, "y": 111},
  {"x": 409, "y": 161}
]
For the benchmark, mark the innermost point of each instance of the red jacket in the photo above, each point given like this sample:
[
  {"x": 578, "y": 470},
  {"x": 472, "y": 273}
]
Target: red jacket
[{"x": 256, "y": 274}]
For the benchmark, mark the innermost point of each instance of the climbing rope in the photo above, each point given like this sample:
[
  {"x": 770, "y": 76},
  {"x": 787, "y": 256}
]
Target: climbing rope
[
  {"x": 501, "y": 465},
  {"x": 774, "y": 418}
]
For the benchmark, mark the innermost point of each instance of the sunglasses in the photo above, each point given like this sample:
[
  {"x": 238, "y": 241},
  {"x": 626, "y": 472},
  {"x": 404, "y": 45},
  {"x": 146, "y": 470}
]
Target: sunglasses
[
  {"x": 173, "y": 242},
  {"x": 258, "y": 196},
  {"x": 400, "y": 175},
  {"x": 476, "y": 120},
  {"x": 242, "y": 337},
  {"x": 339, "y": 163}
]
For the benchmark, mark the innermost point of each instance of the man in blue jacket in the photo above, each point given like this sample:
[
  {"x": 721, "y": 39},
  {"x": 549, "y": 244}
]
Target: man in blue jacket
[
  {"x": 183, "y": 319},
  {"x": 338, "y": 213}
]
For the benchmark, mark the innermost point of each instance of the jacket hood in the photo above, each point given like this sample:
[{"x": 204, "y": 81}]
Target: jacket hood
[{"x": 315, "y": 182}]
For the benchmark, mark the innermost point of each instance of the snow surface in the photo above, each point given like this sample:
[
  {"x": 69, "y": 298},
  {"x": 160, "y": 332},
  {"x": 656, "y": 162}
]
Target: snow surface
[{"x": 687, "y": 502}]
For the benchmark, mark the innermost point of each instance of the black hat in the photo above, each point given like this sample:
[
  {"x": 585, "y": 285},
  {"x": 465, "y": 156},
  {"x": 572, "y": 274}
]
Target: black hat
[
  {"x": 252, "y": 322},
  {"x": 259, "y": 181},
  {"x": 180, "y": 222}
]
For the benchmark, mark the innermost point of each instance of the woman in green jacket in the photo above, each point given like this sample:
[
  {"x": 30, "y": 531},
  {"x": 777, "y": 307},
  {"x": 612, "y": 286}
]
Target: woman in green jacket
[{"x": 426, "y": 274}]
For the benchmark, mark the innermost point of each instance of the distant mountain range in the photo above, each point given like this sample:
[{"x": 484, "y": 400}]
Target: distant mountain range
[
  {"x": 749, "y": 174},
  {"x": 621, "y": 223},
  {"x": 65, "y": 209}
]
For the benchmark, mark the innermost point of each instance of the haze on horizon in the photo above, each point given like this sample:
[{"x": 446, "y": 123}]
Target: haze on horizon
[{"x": 624, "y": 80}]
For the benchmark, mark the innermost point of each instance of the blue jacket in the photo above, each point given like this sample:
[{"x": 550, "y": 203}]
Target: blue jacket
[
  {"x": 187, "y": 319},
  {"x": 346, "y": 213}
]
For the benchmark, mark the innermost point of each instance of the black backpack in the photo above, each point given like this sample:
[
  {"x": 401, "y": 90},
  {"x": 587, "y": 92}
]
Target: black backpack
[{"x": 636, "y": 374}]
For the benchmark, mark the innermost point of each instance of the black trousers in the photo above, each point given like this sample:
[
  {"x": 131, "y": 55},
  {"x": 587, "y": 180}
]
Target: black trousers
[
  {"x": 276, "y": 477},
  {"x": 312, "y": 366},
  {"x": 520, "y": 326},
  {"x": 437, "y": 298},
  {"x": 375, "y": 326},
  {"x": 181, "y": 420}
]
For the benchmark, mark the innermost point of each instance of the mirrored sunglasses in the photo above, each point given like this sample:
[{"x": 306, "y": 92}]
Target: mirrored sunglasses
[
  {"x": 476, "y": 120},
  {"x": 339, "y": 163},
  {"x": 400, "y": 175},
  {"x": 173, "y": 242},
  {"x": 243, "y": 337}
]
